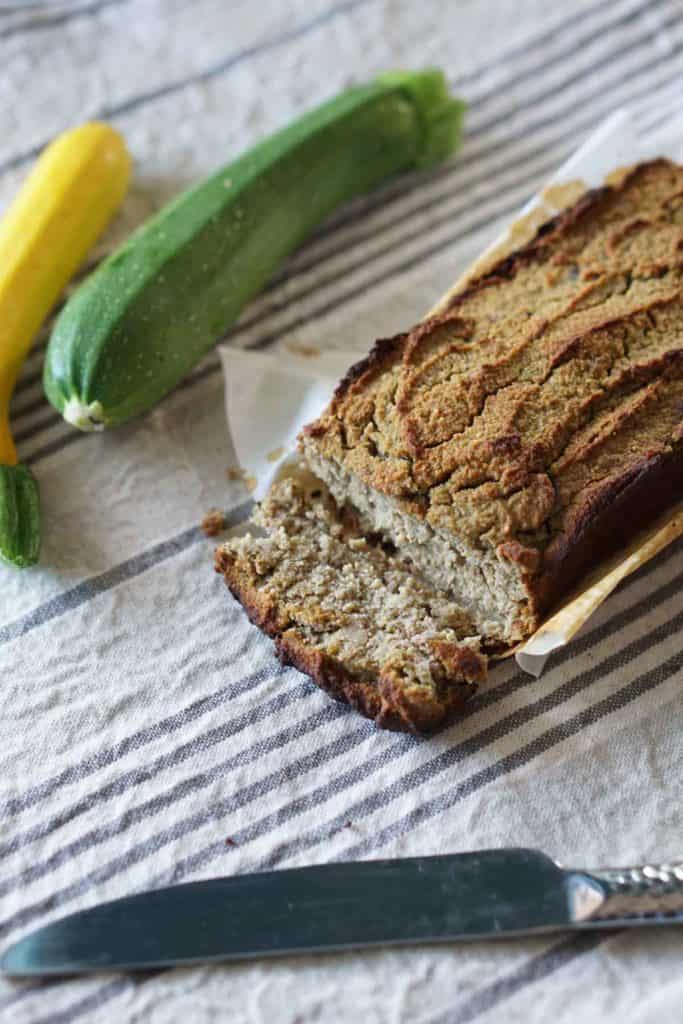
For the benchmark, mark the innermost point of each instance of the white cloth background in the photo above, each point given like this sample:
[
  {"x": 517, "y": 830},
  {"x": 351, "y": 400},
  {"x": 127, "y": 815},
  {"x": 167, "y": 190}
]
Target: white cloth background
[{"x": 143, "y": 720}]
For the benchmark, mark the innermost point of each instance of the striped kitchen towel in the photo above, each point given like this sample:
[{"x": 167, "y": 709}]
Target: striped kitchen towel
[{"x": 148, "y": 734}]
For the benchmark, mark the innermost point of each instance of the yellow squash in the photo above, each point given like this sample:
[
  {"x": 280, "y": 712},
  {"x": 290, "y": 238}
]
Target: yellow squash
[{"x": 64, "y": 205}]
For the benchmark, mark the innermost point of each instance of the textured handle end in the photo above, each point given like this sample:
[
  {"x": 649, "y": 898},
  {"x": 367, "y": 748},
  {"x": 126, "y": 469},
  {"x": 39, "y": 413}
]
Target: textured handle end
[{"x": 651, "y": 891}]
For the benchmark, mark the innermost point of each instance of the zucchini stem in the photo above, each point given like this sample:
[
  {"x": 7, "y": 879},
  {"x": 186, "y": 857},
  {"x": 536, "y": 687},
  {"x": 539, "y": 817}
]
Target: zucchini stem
[{"x": 88, "y": 417}]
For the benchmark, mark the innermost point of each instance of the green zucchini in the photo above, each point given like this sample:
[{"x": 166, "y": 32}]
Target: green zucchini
[{"x": 150, "y": 311}]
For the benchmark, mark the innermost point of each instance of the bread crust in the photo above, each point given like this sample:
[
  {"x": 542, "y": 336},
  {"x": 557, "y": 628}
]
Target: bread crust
[{"x": 539, "y": 415}]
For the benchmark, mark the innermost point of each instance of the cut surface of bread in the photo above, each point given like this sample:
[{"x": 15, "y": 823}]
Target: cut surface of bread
[
  {"x": 350, "y": 613},
  {"x": 511, "y": 443}
]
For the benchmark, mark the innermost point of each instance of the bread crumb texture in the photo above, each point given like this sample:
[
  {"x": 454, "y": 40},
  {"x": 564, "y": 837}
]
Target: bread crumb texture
[{"x": 350, "y": 613}]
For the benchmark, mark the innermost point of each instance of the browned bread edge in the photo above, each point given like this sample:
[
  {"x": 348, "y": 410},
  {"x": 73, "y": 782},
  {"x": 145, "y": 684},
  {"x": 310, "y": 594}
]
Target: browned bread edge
[{"x": 383, "y": 700}]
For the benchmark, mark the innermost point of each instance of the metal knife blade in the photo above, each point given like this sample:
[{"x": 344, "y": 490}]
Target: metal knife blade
[{"x": 492, "y": 893}]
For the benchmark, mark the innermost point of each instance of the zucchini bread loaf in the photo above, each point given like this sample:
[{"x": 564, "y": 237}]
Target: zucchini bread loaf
[{"x": 498, "y": 451}]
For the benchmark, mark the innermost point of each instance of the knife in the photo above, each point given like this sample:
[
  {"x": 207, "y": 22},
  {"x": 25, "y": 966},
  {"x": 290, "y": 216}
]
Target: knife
[{"x": 492, "y": 893}]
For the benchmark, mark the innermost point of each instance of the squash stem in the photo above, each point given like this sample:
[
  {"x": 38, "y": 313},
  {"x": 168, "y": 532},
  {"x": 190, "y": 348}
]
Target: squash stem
[{"x": 86, "y": 417}]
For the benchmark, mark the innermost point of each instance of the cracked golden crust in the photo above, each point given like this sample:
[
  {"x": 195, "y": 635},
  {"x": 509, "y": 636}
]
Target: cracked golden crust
[{"x": 540, "y": 414}]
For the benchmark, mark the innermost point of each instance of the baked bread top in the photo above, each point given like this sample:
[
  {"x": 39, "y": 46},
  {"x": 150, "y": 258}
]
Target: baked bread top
[{"x": 520, "y": 417}]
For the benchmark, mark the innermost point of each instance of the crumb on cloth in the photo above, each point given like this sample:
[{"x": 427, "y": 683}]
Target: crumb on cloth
[{"x": 213, "y": 522}]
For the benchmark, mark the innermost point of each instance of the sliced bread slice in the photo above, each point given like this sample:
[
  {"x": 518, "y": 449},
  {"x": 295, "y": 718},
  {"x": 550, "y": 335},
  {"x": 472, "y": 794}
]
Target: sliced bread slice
[{"x": 350, "y": 613}]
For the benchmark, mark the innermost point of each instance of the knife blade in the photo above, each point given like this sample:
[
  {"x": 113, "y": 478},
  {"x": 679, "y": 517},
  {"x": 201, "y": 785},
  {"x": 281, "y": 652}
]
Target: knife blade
[{"x": 492, "y": 893}]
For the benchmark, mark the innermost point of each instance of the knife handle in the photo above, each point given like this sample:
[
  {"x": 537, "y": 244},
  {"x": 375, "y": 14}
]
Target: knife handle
[{"x": 651, "y": 890}]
